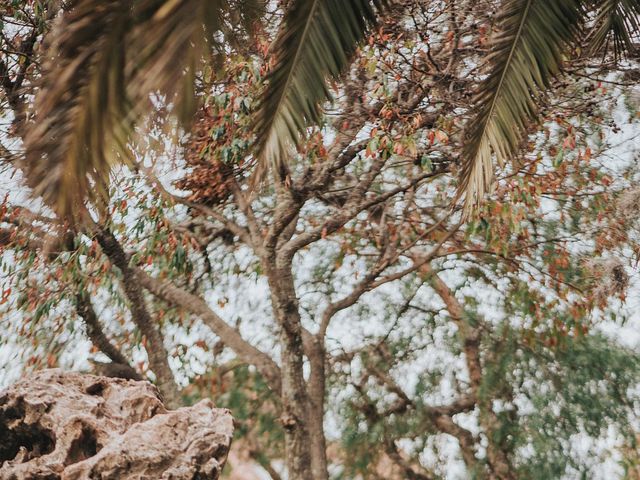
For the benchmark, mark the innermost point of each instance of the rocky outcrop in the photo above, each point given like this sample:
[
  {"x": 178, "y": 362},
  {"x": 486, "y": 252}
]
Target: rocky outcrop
[{"x": 56, "y": 425}]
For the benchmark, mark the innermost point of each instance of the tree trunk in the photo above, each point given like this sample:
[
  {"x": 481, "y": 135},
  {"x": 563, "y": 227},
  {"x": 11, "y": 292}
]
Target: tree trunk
[
  {"x": 317, "y": 385},
  {"x": 295, "y": 400}
]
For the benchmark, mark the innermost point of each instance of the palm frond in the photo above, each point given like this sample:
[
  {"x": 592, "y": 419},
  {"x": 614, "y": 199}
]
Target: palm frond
[
  {"x": 616, "y": 23},
  {"x": 314, "y": 44},
  {"x": 106, "y": 59},
  {"x": 168, "y": 45},
  {"x": 81, "y": 110},
  {"x": 527, "y": 51}
]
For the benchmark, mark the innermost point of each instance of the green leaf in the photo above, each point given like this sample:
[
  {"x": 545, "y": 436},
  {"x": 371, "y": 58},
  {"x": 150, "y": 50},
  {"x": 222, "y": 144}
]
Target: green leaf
[
  {"x": 425, "y": 162},
  {"x": 558, "y": 159}
]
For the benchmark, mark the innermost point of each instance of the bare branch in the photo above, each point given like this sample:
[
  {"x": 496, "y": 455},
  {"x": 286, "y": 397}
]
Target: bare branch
[
  {"x": 97, "y": 336},
  {"x": 158, "y": 356},
  {"x": 230, "y": 336},
  {"x": 348, "y": 212}
]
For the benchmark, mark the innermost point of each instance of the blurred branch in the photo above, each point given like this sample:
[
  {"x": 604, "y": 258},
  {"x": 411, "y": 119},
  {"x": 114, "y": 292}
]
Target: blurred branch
[
  {"x": 158, "y": 356},
  {"x": 97, "y": 336}
]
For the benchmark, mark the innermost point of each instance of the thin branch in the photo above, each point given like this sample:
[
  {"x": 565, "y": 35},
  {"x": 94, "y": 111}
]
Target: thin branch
[
  {"x": 236, "y": 229},
  {"x": 369, "y": 283},
  {"x": 349, "y": 211},
  {"x": 245, "y": 207}
]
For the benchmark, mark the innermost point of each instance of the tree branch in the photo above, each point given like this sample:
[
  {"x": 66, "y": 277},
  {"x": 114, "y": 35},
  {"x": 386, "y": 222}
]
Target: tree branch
[
  {"x": 349, "y": 211},
  {"x": 230, "y": 336},
  {"x": 498, "y": 459},
  {"x": 158, "y": 357},
  {"x": 98, "y": 337}
]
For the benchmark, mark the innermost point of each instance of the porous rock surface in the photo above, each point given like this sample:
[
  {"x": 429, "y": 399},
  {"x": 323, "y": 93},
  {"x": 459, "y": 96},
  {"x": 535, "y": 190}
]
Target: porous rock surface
[{"x": 57, "y": 425}]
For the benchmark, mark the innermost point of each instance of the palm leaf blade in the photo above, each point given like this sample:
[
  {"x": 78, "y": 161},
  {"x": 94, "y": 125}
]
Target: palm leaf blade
[
  {"x": 526, "y": 55},
  {"x": 167, "y": 44},
  {"x": 315, "y": 43},
  {"x": 107, "y": 57},
  {"x": 617, "y": 21},
  {"x": 83, "y": 95}
]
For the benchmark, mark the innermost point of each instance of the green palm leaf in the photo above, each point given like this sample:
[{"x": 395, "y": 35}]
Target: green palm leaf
[
  {"x": 315, "y": 43},
  {"x": 617, "y": 21},
  {"x": 527, "y": 51},
  {"x": 107, "y": 58}
]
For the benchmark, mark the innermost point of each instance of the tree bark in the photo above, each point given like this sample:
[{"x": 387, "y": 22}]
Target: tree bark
[
  {"x": 174, "y": 295},
  {"x": 498, "y": 460},
  {"x": 99, "y": 338},
  {"x": 295, "y": 399},
  {"x": 317, "y": 390},
  {"x": 158, "y": 357}
]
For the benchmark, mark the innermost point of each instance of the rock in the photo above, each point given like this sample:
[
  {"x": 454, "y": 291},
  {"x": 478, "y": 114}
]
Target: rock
[{"x": 57, "y": 425}]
